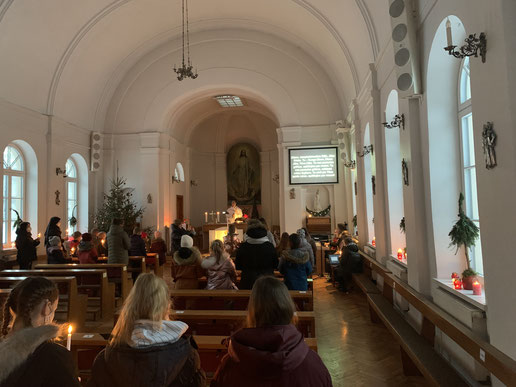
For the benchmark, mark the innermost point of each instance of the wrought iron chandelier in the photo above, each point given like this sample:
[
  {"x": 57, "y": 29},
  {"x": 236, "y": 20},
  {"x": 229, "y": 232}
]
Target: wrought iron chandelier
[{"x": 186, "y": 70}]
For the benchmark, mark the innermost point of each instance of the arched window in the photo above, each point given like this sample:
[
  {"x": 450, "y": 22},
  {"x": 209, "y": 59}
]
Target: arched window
[
  {"x": 13, "y": 192},
  {"x": 467, "y": 151},
  {"x": 71, "y": 195},
  {"x": 369, "y": 187},
  {"x": 179, "y": 173}
]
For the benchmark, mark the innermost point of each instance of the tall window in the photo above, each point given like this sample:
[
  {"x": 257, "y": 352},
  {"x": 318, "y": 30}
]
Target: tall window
[
  {"x": 469, "y": 177},
  {"x": 14, "y": 190},
  {"x": 368, "y": 174},
  {"x": 71, "y": 194}
]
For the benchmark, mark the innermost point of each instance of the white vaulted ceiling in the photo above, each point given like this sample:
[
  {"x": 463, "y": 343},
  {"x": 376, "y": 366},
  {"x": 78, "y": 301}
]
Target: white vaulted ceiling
[{"x": 83, "y": 60}]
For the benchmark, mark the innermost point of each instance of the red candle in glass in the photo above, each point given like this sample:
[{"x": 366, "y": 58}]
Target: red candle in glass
[
  {"x": 457, "y": 284},
  {"x": 374, "y": 242},
  {"x": 400, "y": 254},
  {"x": 454, "y": 275},
  {"x": 477, "y": 288}
]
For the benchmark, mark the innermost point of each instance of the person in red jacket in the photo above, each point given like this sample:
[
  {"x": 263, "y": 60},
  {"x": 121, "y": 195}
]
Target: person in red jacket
[
  {"x": 159, "y": 246},
  {"x": 271, "y": 351},
  {"x": 87, "y": 252}
]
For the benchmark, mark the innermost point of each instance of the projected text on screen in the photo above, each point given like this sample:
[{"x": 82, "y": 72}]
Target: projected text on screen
[{"x": 313, "y": 166}]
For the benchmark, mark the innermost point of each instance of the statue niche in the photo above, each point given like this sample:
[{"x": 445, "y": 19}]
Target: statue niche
[{"x": 244, "y": 174}]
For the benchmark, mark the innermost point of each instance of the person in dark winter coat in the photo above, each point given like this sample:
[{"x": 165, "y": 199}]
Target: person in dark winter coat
[
  {"x": 55, "y": 253},
  {"x": 306, "y": 246},
  {"x": 295, "y": 265},
  {"x": 87, "y": 252},
  {"x": 220, "y": 267},
  {"x": 350, "y": 262},
  {"x": 28, "y": 355},
  {"x": 159, "y": 247},
  {"x": 256, "y": 256},
  {"x": 137, "y": 246},
  {"x": 146, "y": 349},
  {"x": 177, "y": 232},
  {"x": 53, "y": 229},
  {"x": 186, "y": 265},
  {"x": 270, "y": 351},
  {"x": 26, "y": 246},
  {"x": 118, "y": 243}
]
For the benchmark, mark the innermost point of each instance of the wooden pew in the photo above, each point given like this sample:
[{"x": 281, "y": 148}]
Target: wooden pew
[
  {"x": 92, "y": 282},
  {"x": 116, "y": 273},
  {"x": 204, "y": 281},
  {"x": 372, "y": 265},
  {"x": 201, "y": 299},
  {"x": 4, "y": 294},
  {"x": 137, "y": 265},
  {"x": 72, "y": 306}
]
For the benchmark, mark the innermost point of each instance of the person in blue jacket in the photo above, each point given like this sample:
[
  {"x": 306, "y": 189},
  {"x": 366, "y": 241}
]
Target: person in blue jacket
[{"x": 295, "y": 265}]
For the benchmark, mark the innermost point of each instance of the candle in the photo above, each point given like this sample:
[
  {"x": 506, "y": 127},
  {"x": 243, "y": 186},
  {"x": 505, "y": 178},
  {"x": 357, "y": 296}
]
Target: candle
[
  {"x": 477, "y": 288},
  {"x": 69, "y": 339},
  {"x": 39, "y": 235},
  {"x": 103, "y": 241},
  {"x": 13, "y": 245},
  {"x": 448, "y": 33},
  {"x": 400, "y": 254},
  {"x": 205, "y": 217},
  {"x": 73, "y": 250},
  {"x": 218, "y": 214},
  {"x": 67, "y": 231},
  {"x": 374, "y": 242},
  {"x": 454, "y": 275},
  {"x": 457, "y": 284}
]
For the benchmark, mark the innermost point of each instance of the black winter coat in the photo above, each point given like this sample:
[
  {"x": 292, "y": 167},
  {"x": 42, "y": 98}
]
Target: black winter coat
[
  {"x": 137, "y": 247},
  {"x": 26, "y": 247},
  {"x": 177, "y": 233},
  {"x": 171, "y": 365},
  {"x": 350, "y": 261},
  {"x": 52, "y": 230},
  {"x": 255, "y": 257},
  {"x": 55, "y": 256}
]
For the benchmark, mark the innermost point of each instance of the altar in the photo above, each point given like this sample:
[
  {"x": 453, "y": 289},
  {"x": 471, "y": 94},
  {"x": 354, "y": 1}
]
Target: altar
[{"x": 212, "y": 231}]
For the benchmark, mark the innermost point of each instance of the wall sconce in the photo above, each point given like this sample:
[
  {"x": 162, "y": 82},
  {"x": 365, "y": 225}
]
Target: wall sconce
[
  {"x": 175, "y": 179},
  {"x": 350, "y": 164},
  {"x": 59, "y": 171},
  {"x": 397, "y": 122},
  {"x": 193, "y": 183},
  {"x": 292, "y": 193},
  {"x": 367, "y": 149},
  {"x": 276, "y": 178},
  {"x": 473, "y": 45}
]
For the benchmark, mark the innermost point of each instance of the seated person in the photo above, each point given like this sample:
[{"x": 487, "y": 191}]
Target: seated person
[
  {"x": 54, "y": 251},
  {"x": 146, "y": 349},
  {"x": 350, "y": 262},
  {"x": 74, "y": 244},
  {"x": 295, "y": 265},
  {"x": 87, "y": 252},
  {"x": 231, "y": 241},
  {"x": 101, "y": 247},
  {"x": 270, "y": 351},
  {"x": 186, "y": 265},
  {"x": 220, "y": 267}
]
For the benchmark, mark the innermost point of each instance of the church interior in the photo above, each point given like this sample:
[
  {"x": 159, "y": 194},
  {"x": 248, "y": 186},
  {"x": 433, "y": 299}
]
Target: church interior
[{"x": 390, "y": 123}]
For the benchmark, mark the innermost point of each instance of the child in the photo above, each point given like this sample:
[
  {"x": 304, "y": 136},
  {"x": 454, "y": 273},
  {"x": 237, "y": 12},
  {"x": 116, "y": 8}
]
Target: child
[
  {"x": 87, "y": 252},
  {"x": 55, "y": 253},
  {"x": 221, "y": 269}
]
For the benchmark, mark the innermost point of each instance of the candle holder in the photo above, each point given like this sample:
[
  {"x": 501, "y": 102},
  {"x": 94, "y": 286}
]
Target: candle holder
[
  {"x": 367, "y": 149},
  {"x": 457, "y": 284},
  {"x": 473, "y": 47},
  {"x": 350, "y": 164},
  {"x": 397, "y": 122}
]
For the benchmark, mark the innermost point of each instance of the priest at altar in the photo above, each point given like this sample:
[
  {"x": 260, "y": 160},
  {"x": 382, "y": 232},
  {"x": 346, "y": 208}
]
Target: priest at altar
[{"x": 234, "y": 212}]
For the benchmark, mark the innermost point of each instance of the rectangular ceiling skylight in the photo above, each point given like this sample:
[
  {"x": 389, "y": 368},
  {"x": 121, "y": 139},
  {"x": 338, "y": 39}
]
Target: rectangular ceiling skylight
[{"x": 229, "y": 101}]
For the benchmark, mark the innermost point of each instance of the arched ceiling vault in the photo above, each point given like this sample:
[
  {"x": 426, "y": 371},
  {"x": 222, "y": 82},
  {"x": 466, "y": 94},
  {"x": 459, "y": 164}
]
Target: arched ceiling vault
[{"x": 45, "y": 45}]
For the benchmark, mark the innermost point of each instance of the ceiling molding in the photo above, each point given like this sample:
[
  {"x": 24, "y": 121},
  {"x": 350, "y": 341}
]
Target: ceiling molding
[{"x": 370, "y": 27}]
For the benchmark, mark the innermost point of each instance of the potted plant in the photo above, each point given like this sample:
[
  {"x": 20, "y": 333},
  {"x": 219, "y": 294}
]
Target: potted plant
[
  {"x": 465, "y": 233},
  {"x": 73, "y": 219}
]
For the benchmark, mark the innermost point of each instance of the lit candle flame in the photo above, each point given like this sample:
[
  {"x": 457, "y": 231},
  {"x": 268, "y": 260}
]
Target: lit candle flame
[
  {"x": 70, "y": 329},
  {"x": 39, "y": 235},
  {"x": 13, "y": 245},
  {"x": 103, "y": 241},
  {"x": 67, "y": 231}
]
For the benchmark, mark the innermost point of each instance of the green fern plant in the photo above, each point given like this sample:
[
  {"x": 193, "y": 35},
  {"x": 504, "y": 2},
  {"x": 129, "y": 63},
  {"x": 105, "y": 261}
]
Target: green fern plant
[
  {"x": 464, "y": 232},
  {"x": 18, "y": 220},
  {"x": 73, "y": 219}
]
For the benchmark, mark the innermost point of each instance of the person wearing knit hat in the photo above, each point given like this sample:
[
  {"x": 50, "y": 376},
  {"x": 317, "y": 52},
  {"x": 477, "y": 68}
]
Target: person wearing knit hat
[
  {"x": 87, "y": 252},
  {"x": 306, "y": 246},
  {"x": 186, "y": 265},
  {"x": 54, "y": 251}
]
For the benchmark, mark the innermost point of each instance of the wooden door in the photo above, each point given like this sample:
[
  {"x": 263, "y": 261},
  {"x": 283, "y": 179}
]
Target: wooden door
[{"x": 179, "y": 207}]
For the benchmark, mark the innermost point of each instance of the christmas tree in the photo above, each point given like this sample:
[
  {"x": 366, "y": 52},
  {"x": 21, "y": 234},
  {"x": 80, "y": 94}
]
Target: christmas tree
[{"x": 118, "y": 204}]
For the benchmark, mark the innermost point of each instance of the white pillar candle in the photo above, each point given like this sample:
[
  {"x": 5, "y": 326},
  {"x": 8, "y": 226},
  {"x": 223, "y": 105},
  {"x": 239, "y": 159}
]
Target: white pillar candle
[
  {"x": 218, "y": 216},
  {"x": 69, "y": 339},
  {"x": 449, "y": 33},
  {"x": 205, "y": 217}
]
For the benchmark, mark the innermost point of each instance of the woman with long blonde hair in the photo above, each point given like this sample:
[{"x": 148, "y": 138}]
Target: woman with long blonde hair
[
  {"x": 220, "y": 268},
  {"x": 146, "y": 348},
  {"x": 270, "y": 351}
]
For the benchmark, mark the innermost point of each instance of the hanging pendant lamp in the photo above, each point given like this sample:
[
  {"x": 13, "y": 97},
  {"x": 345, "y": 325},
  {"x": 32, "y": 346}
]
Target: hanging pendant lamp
[{"x": 186, "y": 70}]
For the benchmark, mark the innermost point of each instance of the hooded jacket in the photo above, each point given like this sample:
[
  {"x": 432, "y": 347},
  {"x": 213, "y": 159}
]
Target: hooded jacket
[
  {"x": 350, "y": 260},
  {"x": 159, "y": 356},
  {"x": 118, "y": 244},
  {"x": 29, "y": 358},
  {"x": 296, "y": 267},
  {"x": 306, "y": 246},
  {"x": 221, "y": 275},
  {"x": 255, "y": 257},
  {"x": 274, "y": 356},
  {"x": 186, "y": 268},
  {"x": 87, "y": 252},
  {"x": 26, "y": 247}
]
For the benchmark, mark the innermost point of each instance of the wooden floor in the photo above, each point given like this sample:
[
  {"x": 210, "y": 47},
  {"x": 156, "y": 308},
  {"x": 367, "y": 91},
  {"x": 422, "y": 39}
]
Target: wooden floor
[{"x": 356, "y": 351}]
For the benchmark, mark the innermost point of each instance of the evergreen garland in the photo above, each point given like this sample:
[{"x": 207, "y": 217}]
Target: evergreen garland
[
  {"x": 464, "y": 232},
  {"x": 402, "y": 225},
  {"x": 18, "y": 220},
  {"x": 118, "y": 204},
  {"x": 73, "y": 219},
  {"x": 324, "y": 212}
]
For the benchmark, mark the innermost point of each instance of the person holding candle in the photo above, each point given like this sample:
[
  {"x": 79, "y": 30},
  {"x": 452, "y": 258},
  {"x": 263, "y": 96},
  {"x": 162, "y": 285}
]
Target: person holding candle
[
  {"x": 28, "y": 354},
  {"x": 146, "y": 349},
  {"x": 26, "y": 246},
  {"x": 102, "y": 249}
]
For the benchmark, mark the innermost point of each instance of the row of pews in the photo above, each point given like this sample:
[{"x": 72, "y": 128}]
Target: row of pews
[{"x": 91, "y": 294}]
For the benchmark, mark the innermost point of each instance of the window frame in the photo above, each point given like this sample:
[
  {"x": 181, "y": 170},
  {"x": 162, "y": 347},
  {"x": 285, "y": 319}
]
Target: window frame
[{"x": 75, "y": 180}]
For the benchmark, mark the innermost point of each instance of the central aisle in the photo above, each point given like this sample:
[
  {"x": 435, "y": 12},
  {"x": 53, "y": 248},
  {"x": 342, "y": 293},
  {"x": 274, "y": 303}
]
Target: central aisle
[{"x": 356, "y": 351}]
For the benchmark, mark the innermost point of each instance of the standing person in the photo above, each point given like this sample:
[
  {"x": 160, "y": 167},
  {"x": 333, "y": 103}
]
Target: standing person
[
  {"x": 306, "y": 246},
  {"x": 270, "y": 351},
  {"x": 234, "y": 212},
  {"x": 311, "y": 241},
  {"x": 350, "y": 262},
  {"x": 231, "y": 241},
  {"x": 55, "y": 253},
  {"x": 28, "y": 355},
  {"x": 146, "y": 349},
  {"x": 137, "y": 245},
  {"x": 53, "y": 229},
  {"x": 159, "y": 247},
  {"x": 295, "y": 265},
  {"x": 283, "y": 244},
  {"x": 178, "y": 230},
  {"x": 269, "y": 233},
  {"x": 186, "y": 265},
  {"x": 26, "y": 246},
  {"x": 118, "y": 243},
  {"x": 256, "y": 256},
  {"x": 220, "y": 267},
  {"x": 102, "y": 246},
  {"x": 87, "y": 252}
]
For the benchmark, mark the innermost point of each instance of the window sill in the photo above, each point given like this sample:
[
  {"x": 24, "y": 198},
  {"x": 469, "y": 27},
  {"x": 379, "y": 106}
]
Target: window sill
[
  {"x": 402, "y": 263},
  {"x": 465, "y": 295}
]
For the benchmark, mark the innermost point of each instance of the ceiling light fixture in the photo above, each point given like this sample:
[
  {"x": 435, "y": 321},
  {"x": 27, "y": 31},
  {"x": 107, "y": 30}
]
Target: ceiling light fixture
[{"x": 185, "y": 71}]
